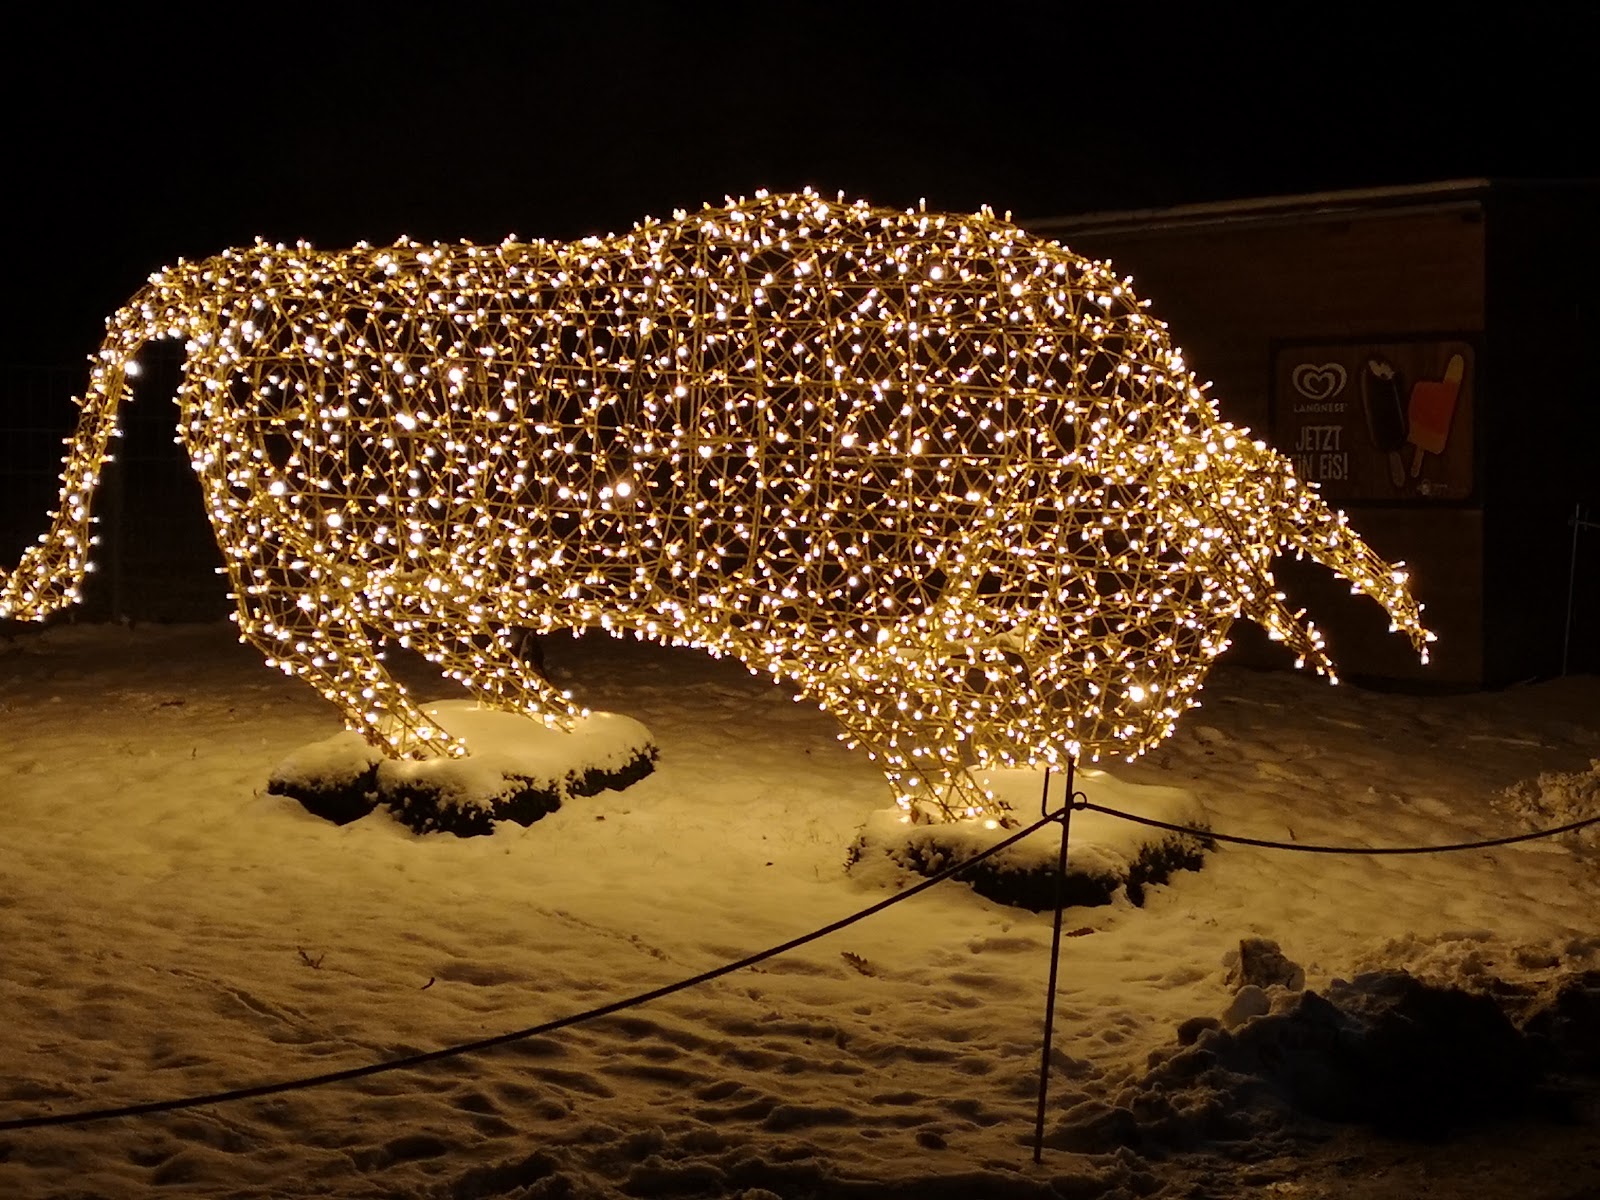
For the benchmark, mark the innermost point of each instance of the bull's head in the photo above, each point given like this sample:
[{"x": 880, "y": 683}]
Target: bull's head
[{"x": 1090, "y": 630}]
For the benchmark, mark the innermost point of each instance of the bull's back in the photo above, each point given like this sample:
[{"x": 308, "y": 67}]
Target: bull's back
[{"x": 817, "y": 422}]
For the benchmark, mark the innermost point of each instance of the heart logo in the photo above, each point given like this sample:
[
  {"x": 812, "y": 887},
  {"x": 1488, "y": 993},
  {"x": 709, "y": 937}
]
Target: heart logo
[{"x": 1319, "y": 382}]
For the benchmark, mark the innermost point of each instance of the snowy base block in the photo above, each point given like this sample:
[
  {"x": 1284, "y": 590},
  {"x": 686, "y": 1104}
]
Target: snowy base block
[
  {"x": 1104, "y": 853},
  {"x": 515, "y": 769}
]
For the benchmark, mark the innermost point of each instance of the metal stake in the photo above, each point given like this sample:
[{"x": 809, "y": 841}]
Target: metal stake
[
  {"x": 1578, "y": 523},
  {"x": 1055, "y": 955}
]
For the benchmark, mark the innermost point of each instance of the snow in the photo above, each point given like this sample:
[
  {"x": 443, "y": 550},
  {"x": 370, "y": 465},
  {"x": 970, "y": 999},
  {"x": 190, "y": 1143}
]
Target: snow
[
  {"x": 1558, "y": 798},
  {"x": 167, "y": 927},
  {"x": 499, "y": 745},
  {"x": 1103, "y": 849}
]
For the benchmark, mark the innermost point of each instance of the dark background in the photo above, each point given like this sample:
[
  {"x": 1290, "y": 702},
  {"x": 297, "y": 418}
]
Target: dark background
[{"x": 136, "y": 136}]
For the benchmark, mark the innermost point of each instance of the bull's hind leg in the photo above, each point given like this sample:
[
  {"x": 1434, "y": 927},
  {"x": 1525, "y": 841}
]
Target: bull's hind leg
[
  {"x": 490, "y": 665},
  {"x": 338, "y": 658}
]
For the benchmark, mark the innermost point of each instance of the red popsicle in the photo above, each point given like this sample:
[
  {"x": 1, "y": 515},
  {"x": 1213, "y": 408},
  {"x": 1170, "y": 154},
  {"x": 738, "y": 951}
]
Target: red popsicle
[{"x": 1433, "y": 404}]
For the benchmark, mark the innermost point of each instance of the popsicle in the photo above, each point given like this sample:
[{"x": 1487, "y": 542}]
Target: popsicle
[
  {"x": 1433, "y": 403},
  {"x": 1381, "y": 386}
]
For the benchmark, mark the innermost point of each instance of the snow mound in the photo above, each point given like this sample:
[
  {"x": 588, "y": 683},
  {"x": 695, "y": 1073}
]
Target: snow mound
[
  {"x": 1384, "y": 1049},
  {"x": 515, "y": 769},
  {"x": 1558, "y": 798},
  {"x": 1105, "y": 854}
]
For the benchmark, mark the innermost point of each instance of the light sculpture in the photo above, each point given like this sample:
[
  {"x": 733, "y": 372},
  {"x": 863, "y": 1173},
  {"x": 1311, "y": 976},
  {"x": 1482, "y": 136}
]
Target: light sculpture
[{"x": 950, "y": 480}]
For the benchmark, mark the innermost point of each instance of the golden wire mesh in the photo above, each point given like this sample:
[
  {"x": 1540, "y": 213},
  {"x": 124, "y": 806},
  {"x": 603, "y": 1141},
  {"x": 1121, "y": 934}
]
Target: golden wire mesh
[{"x": 950, "y": 480}]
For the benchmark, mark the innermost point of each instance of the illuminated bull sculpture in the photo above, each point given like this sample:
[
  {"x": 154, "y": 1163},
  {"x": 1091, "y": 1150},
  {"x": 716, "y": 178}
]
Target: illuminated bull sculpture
[{"x": 950, "y": 480}]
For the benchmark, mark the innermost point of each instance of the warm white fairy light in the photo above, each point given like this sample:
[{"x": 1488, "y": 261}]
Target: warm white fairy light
[{"x": 949, "y": 479}]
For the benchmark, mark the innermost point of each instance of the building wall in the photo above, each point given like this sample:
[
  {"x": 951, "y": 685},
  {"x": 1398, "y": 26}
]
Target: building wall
[
  {"x": 1231, "y": 291},
  {"x": 1543, "y": 260}
]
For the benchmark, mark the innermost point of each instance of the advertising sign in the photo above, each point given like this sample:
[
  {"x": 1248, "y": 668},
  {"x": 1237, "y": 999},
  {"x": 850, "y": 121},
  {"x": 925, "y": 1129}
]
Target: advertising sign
[{"x": 1378, "y": 420}]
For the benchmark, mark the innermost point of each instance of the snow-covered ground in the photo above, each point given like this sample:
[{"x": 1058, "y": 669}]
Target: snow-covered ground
[{"x": 168, "y": 928}]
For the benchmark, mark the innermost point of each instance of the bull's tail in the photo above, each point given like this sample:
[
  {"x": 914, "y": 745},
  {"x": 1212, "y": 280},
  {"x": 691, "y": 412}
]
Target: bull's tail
[
  {"x": 50, "y": 575},
  {"x": 1305, "y": 523}
]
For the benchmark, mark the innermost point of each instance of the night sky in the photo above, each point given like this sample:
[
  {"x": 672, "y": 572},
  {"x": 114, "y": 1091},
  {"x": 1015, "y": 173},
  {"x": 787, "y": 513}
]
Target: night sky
[{"x": 133, "y": 139}]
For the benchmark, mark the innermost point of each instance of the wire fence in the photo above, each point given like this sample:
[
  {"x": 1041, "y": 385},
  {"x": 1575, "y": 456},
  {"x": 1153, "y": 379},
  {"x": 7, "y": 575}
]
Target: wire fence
[
  {"x": 37, "y": 420},
  {"x": 157, "y": 559}
]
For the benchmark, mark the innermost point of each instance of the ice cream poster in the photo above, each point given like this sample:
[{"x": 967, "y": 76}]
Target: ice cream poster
[{"x": 1378, "y": 420}]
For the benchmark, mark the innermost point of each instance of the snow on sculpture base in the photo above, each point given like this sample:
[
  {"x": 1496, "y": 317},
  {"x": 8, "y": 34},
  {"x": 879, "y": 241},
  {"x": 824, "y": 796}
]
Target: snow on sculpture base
[
  {"x": 1104, "y": 853},
  {"x": 516, "y": 769}
]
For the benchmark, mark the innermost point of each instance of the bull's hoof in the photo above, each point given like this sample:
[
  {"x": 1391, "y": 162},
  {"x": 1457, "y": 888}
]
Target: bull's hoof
[
  {"x": 516, "y": 769},
  {"x": 1105, "y": 855}
]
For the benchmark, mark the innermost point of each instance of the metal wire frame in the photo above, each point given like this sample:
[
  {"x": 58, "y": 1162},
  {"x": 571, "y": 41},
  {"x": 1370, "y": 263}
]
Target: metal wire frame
[{"x": 951, "y": 480}]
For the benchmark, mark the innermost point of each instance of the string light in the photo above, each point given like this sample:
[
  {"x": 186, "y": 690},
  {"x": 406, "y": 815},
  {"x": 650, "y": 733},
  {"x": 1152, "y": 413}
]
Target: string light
[{"x": 950, "y": 480}]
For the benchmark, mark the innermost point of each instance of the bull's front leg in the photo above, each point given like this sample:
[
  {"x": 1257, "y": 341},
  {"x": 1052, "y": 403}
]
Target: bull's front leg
[
  {"x": 923, "y": 759},
  {"x": 488, "y": 665}
]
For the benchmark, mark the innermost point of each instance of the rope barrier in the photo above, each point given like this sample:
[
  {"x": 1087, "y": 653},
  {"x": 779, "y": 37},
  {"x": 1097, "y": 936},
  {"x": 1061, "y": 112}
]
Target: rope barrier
[
  {"x": 258, "y": 1091},
  {"x": 1306, "y": 848},
  {"x": 605, "y": 1010}
]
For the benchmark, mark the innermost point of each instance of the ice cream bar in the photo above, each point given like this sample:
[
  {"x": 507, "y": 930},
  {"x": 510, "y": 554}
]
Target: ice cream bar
[
  {"x": 1433, "y": 403},
  {"x": 1386, "y": 418}
]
